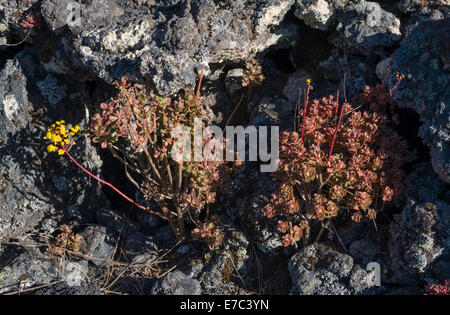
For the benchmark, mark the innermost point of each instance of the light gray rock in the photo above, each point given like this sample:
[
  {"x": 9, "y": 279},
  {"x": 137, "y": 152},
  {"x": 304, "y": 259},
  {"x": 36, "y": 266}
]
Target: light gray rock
[
  {"x": 14, "y": 104},
  {"x": 319, "y": 269},
  {"x": 3, "y": 33},
  {"x": 75, "y": 273},
  {"x": 317, "y": 13},
  {"x": 162, "y": 43},
  {"x": 194, "y": 268},
  {"x": 51, "y": 90},
  {"x": 365, "y": 25},
  {"x": 420, "y": 234},
  {"x": 361, "y": 280},
  {"x": 176, "y": 283},
  {"x": 225, "y": 267},
  {"x": 77, "y": 16},
  {"x": 99, "y": 242}
]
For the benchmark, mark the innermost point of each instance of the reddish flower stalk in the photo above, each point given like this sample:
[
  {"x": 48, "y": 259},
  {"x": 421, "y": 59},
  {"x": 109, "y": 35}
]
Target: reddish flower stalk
[
  {"x": 197, "y": 95},
  {"x": 110, "y": 185},
  {"x": 336, "y": 131},
  {"x": 399, "y": 79},
  {"x": 32, "y": 20},
  {"x": 305, "y": 108}
]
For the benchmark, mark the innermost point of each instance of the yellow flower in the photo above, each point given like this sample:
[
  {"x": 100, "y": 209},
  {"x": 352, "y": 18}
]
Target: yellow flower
[
  {"x": 56, "y": 138},
  {"x": 51, "y": 148},
  {"x": 74, "y": 130},
  {"x": 58, "y": 134}
]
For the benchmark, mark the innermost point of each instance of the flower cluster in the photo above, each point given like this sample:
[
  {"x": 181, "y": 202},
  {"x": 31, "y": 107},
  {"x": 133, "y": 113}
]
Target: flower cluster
[
  {"x": 339, "y": 163},
  {"x": 137, "y": 128},
  {"x": 62, "y": 139},
  {"x": 439, "y": 289},
  {"x": 208, "y": 232},
  {"x": 253, "y": 74},
  {"x": 32, "y": 20},
  {"x": 61, "y": 136},
  {"x": 66, "y": 240}
]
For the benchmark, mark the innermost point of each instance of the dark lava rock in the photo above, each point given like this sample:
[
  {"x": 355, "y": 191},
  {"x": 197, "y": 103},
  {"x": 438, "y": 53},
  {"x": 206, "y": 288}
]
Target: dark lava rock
[
  {"x": 138, "y": 244},
  {"x": 63, "y": 289},
  {"x": 424, "y": 59},
  {"x": 363, "y": 251},
  {"x": 32, "y": 186},
  {"x": 21, "y": 270},
  {"x": 408, "y": 6}
]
